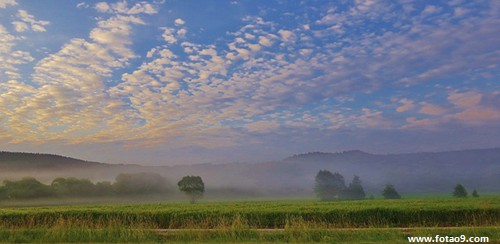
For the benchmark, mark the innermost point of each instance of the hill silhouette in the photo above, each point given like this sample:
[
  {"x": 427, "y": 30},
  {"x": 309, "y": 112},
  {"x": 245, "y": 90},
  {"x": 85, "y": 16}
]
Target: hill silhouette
[{"x": 22, "y": 160}]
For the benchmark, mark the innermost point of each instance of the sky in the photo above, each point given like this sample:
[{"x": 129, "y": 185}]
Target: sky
[{"x": 182, "y": 81}]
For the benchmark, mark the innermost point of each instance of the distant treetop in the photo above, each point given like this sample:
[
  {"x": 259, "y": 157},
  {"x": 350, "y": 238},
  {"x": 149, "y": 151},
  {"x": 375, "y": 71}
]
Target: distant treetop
[
  {"x": 325, "y": 154},
  {"x": 459, "y": 191}
]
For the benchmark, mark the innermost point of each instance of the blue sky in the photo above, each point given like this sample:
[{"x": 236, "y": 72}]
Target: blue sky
[{"x": 173, "y": 82}]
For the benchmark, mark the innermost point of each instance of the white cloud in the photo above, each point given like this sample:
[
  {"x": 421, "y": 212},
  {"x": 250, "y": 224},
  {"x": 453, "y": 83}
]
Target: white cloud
[
  {"x": 254, "y": 47},
  {"x": 479, "y": 115},
  {"x": 432, "y": 109},
  {"x": 430, "y": 9},
  {"x": 286, "y": 35},
  {"x": 372, "y": 119},
  {"x": 466, "y": 99},
  {"x": 143, "y": 7},
  {"x": 115, "y": 33},
  {"x": 102, "y": 7},
  {"x": 472, "y": 109},
  {"x": 262, "y": 126},
  {"x": 168, "y": 35},
  {"x": 71, "y": 97},
  {"x": 406, "y": 105},
  {"x": 20, "y": 26},
  {"x": 249, "y": 36},
  {"x": 365, "y": 5},
  {"x": 6, "y": 40},
  {"x": 426, "y": 123},
  {"x": 122, "y": 8},
  {"x": 247, "y": 85},
  {"x": 38, "y": 28},
  {"x": 6, "y": 3},
  {"x": 181, "y": 32},
  {"x": 82, "y": 5},
  {"x": 265, "y": 41},
  {"x": 27, "y": 20},
  {"x": 306, "y": 52},
  {"x": 10, "y": 58},
  {"x": 327, "y": 19},
  {"x": 179, "y": 21}
]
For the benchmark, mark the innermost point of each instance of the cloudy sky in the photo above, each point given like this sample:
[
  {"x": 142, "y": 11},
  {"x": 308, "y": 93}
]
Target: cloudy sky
[{"x": 184, "y": 81}]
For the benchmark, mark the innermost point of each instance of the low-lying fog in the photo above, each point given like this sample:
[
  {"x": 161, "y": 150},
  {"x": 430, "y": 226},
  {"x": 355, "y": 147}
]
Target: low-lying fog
[{"x": 294, "y": 177}]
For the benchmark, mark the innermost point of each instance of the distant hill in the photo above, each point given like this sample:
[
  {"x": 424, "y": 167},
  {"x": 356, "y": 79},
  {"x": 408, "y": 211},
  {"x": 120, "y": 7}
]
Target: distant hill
[
  {"x": 427, "y": 172},
  {"x": 319, "y": 156},
  {"x": 21, "y": 161},
  {"x": 412, "y": 172}
]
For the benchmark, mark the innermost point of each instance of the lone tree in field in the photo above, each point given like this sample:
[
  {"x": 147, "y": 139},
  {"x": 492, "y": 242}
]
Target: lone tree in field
[
  {"x": 355, "y": 190},
  {"x": 390, "y": 192},
  {"x": 474, "y": 193},
  {"x": 460, "y": 191},
  {"x": 329, "y": 186},
  {"x": 193, "y": 186}
]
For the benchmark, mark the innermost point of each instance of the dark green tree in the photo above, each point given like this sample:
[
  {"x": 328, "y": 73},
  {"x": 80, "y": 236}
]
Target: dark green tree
[
  {"x": 73, "y": 187},
  {"x": 27, "y": 187},
  {"x": 474, "y": 193},
  {"x": 355, "y": 190},
  {"x": 192, "y": 186},
  {"x": 390, "y": 192},
  {"x": 329, "y": 186},
  {"x": 459, "y": 191}
]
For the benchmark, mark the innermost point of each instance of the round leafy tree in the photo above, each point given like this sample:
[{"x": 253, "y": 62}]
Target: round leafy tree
[
  {"x": 193, "y": 186},
  {"x": 460, "y": 191},
  {"x": 390, "y": 192},
  {"x": 329, "y": 186}
]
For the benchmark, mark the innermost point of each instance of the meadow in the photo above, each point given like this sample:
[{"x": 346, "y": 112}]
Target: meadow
[{"x": 366, "y": 221}]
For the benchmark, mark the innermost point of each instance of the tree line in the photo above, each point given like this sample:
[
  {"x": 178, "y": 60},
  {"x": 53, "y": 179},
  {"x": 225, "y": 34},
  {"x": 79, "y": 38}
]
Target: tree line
[
  {"x": 125, "y": 184},
  {"x": 461, "y": 192},
  {"x": 328, "y": 187},
  {"x": 331, "y": 187}
]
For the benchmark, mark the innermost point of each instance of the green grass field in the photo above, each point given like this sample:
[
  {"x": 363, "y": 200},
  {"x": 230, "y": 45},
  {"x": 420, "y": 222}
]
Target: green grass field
[{"x": 368, "y": 221}]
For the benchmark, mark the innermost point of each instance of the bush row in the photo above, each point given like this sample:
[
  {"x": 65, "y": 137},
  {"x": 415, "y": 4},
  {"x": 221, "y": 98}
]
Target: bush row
[{"x": 125, "y": 184}]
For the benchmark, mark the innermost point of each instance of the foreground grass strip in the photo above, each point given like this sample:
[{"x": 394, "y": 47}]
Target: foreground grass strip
[
  {"x": 350, "y": 235},
  {"x": 377, "y": 221},
  {"x": 77, "y": 235},
  {"x": 236, "y": 235},
  {"x": 264, "y": 215}
]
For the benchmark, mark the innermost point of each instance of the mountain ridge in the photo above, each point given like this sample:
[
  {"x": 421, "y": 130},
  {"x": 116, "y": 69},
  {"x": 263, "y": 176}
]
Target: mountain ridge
[
  {"x": 360, "y": 152},
  {"x": 10, "y": 156}
]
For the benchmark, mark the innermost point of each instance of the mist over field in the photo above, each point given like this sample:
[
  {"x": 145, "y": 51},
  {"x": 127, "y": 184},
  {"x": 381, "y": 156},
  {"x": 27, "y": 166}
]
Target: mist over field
[{"x": 292, "y": 177}]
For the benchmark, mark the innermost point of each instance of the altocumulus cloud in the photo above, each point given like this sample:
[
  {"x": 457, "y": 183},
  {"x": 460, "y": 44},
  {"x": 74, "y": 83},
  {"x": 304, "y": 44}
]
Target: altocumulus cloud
[{"x": 310, "y": 73}]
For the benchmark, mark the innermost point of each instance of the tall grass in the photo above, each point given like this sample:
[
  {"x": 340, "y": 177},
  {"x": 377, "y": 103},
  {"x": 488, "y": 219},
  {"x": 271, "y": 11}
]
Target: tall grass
[
  {"x": 367, "y": 235},
  {"x": 375, "y": 221},
  {"x": 77, "y": 235},
  {"x": 277, "y": 214}
]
